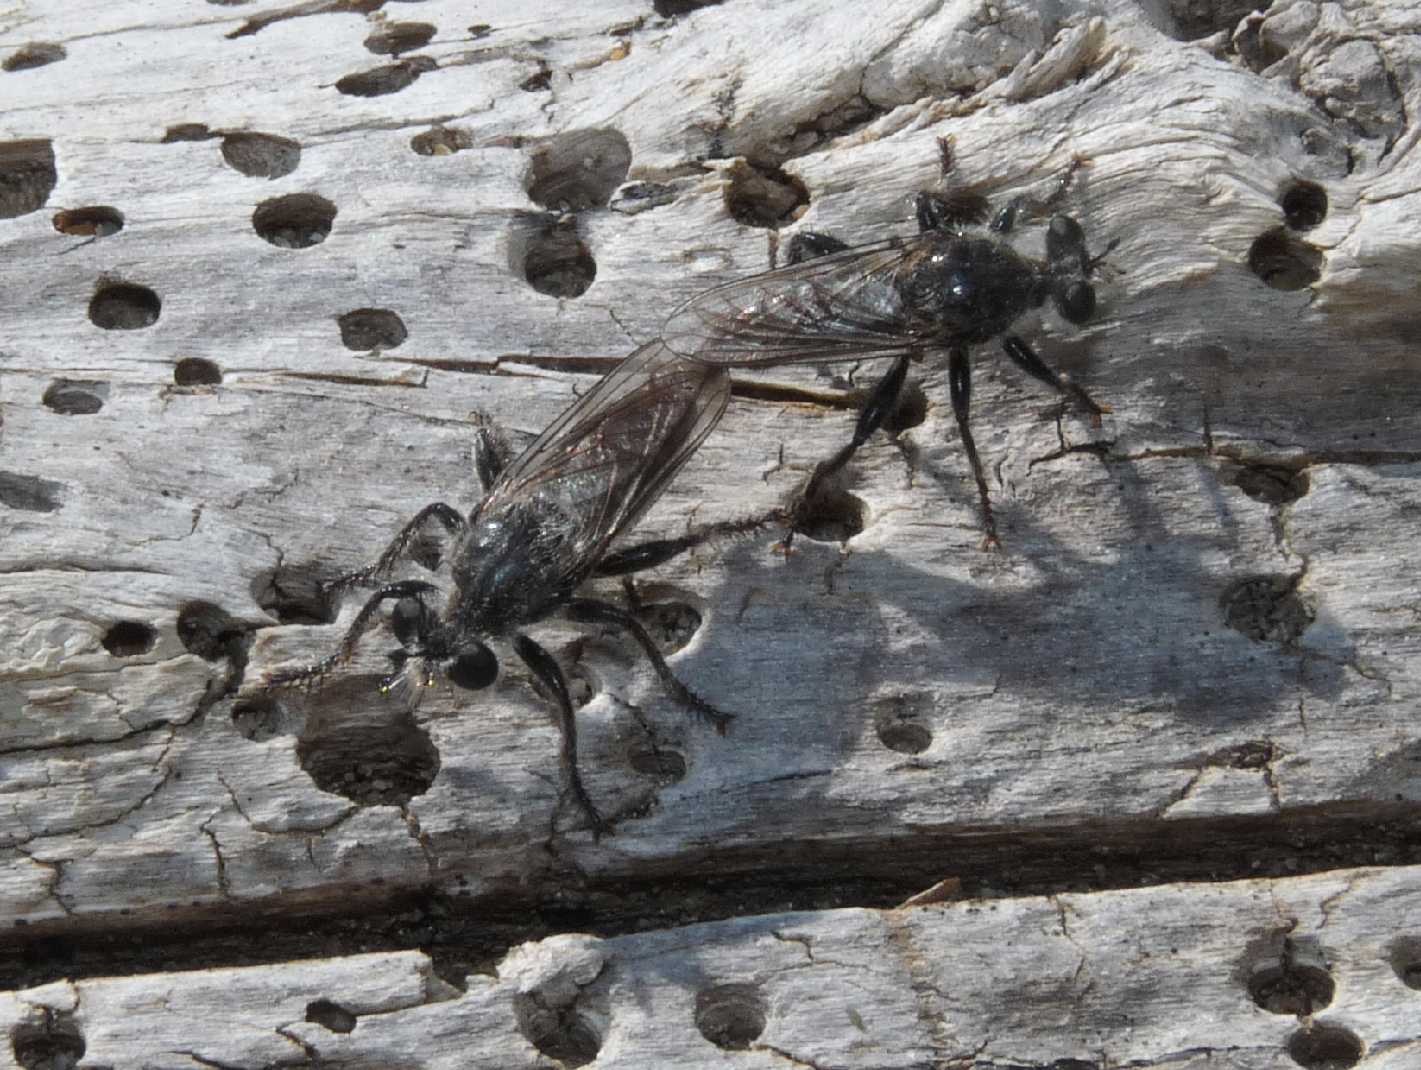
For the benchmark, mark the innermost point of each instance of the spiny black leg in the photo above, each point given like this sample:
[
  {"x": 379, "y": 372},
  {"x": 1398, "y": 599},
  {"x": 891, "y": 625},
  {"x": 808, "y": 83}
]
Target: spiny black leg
[
  {"x": 447, "y": 515},
  {"x": 646, "y": 555},
  {"x": 358, "y": 627},
  {"x": 880, "y": 405},
  {"x": 594, "y": 611},
  {"x": 1005, "y": 219},
  {"x": 549, "y": 673},
  {"x": 959, "y": 381},
  {"x": 1026, "y": 359}
]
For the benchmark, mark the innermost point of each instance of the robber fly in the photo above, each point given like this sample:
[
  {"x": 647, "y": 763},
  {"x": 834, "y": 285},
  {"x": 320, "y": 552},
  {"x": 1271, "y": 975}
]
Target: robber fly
[
  {"x": 546, "y": 523},
  {"x": 954, "y": 285}
]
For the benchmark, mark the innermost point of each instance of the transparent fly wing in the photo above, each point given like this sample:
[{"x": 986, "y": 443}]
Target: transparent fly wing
[
  {"x": 600, "y": 465},
  {"x": 843, "y": 306}
]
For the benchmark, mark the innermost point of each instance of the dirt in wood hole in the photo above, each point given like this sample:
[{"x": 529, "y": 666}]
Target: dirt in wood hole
[{"x": 465, "y": 935}]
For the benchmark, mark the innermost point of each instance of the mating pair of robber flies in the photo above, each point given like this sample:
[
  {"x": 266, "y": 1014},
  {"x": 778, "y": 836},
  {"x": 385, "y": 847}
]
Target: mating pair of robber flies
[{"x": 549, "y": 519}]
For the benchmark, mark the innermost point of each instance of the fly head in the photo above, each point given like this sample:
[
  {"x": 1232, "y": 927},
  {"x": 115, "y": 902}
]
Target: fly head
[
  {"x": 1068, "y": 267},
  {"x": 463, "y": 660},
  {"x": 473, "y": 668}
]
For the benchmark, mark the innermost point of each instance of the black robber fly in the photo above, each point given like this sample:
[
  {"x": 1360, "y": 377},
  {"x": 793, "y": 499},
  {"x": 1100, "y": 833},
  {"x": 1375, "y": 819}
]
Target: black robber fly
[
  {"x": 954, "y": 285},
  {"x": 546, "y": 524}
]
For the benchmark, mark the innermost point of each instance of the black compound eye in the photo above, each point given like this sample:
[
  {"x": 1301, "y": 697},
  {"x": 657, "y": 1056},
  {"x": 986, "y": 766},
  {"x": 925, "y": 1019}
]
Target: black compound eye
[
  {"x": 472, "y": 670},
  {"x": 1065, "y": 239},
  {"x": 406, "y": 618},
  {"x": 1076, "y": 302}
]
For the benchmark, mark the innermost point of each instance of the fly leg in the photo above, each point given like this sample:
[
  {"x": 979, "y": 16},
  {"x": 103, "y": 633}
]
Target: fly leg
[
  {"x": 447, "y": 515},
  {"x": 1026, "y": 359},
  {"x": 594, "y": 611},
  {"x": 416, "y": 589},
  {"x": 644, "y": 555},
  {"x": 880, "y": 405},
  {"x": 959, "y": 379},
  {"x": 1005, "y": 219},
  {"x": 545, "y": 667}
]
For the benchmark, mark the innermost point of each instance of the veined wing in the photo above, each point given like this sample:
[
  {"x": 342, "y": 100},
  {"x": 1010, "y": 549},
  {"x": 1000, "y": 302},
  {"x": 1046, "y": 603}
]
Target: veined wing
[
  {"x": 843, "y": 306},
  {"x": 601, "y": 464}
]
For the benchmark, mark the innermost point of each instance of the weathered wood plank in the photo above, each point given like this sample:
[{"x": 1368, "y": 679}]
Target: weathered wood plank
[
  {"x": 1205, "y": 609},
  {"x": 1311, "y": 971}
]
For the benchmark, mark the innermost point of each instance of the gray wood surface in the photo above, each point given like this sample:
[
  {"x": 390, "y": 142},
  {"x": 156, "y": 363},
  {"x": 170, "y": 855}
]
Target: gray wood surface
[{"x": 1197, "y": 646}]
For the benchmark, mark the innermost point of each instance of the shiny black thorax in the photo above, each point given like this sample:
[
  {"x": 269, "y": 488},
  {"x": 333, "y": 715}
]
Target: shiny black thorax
[
  {"x": 964, "y": 291},
  {"x": 509, "y": 568}
]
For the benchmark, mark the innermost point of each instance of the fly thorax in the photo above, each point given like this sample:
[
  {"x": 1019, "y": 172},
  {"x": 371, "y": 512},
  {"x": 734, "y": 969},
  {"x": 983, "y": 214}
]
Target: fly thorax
[
  {"x": 507, "y": 573},
  {"x": 969, "y": 289}
]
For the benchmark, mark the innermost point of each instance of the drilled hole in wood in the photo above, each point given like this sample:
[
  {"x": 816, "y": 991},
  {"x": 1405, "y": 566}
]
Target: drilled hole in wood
[
  {"x": 397, "y": 37},
  {"x": 1267, "y": 609},
  {"x": 295, "y": 221},
  {"x": 1291, "y": 988},
  {"x": 579, "y": 170},
  {"x": 1404, "y": 954},
  {"x": 555, "y": 261},
  {"x": 129, "y": 638},
  {"x": 904, "y": 737},
  {"x": 53, "y": 1043},
  {"x": 27, "y": 176},
  {"x": 330, "y": 1015},
  {"x": 1272, "y": 484},
  {"x": 209, "y": 631},
  {"x": 558, "y": 1032},
  {"x": 29, "y": 493},
  {"x": 124, "y": 306},
  {"x": 261, "y": 155},
  {"x": 1284, "y": 262},
  {"x": 832, "y": 514},
  {"x": 364, "y": 329},
  {"x": 732, "y": 1016},
  {"x": 898, "y": 722},
  {"x": 196, "y": 371},
  {"x": 441, "y": 141},
  {"x": 39, "y": 54},
  {"x": 382, "y": 81},
  {"x": 760, "y": 195},
  {"x": 294, "y": 595},
  {"x": 1304, "y": 205},
  {"x": 384, "y": 762},
  {"x": 76, "y": 397},
  {"x": 662, "y": 764},
  {"x": 94, "y": 221},
  {"x": 1325, "y": 1047},
  {"x": 671, "y": 625}
]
